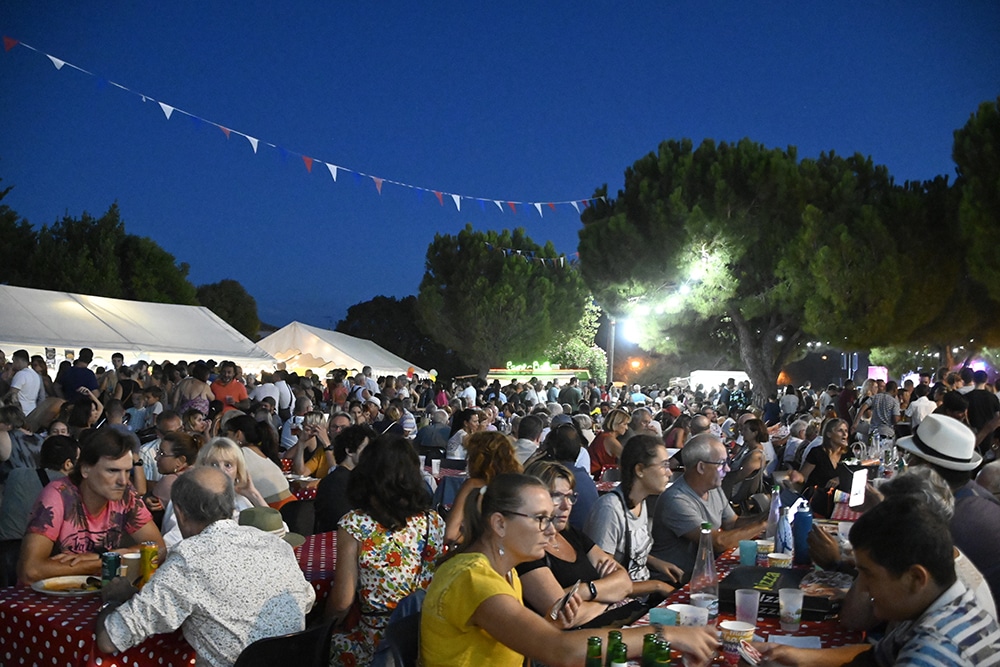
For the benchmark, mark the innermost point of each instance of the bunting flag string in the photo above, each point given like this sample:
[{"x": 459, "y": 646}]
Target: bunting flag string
[
  {"x": 170, "y": 110},
  {"x": 531, "y": 256}
]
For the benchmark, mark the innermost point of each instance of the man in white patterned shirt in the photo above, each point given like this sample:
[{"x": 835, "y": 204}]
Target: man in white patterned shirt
[{"x": 225, "y": 585}]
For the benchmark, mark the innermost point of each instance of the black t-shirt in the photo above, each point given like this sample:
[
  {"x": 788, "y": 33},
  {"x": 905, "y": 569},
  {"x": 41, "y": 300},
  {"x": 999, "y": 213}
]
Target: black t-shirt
[
  {"x": 982, "y": 406},
  {"x": 824, "y": 470},
  {"x": 567, "y": 573},
  {"x": 331, "y": 499}
]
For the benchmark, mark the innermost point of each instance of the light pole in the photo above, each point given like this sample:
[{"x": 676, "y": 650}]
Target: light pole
[{"x": 611, "y": 349}]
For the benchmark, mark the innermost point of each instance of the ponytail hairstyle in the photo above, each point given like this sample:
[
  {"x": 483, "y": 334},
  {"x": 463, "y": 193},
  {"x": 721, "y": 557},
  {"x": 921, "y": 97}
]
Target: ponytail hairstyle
[
  {"x": 638, "y": 450},
  {"x": 502, "y": 495}
]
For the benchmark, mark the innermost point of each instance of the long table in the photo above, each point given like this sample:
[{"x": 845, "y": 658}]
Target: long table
[
  {"x": 39, "y": 629},
  {"x": 830, "y": 632}
]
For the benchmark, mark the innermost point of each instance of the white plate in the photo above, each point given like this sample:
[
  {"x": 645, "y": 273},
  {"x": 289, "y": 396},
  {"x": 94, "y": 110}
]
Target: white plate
[{"x": 78, "y": 581}]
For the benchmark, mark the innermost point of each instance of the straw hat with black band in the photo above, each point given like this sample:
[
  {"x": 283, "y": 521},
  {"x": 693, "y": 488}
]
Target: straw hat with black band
[{"x": 945, "y": 442}]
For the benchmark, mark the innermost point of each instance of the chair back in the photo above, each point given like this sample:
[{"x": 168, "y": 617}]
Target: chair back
[
  {"x": 400, "y": 645},
  {"x": 300, "y": 515},
  {"x": 309, "y": 648}
]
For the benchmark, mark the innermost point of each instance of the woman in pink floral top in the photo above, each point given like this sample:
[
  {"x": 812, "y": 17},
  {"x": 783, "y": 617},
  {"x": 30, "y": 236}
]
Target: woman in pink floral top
[{"x": 386, "y": 548}]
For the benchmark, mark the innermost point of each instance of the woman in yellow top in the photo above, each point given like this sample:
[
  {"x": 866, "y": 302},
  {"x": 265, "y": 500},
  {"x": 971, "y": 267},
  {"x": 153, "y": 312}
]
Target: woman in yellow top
[{"x": 474, "y": 615}]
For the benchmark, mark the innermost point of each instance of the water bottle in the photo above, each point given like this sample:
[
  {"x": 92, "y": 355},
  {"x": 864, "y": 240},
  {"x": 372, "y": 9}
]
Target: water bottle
[
  {"x": 774, "y": 515},
  {"x": 704, "y": 580},
  {"x": 803, "y": 524},
  {"x": 783, "y": 543}
]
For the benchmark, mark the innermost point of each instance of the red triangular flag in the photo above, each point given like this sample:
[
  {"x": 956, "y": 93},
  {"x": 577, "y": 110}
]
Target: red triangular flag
[
  {"x": 309, "y": 163},
  {"x": 440, "y": 198},
  {"x": 512, "y": 206},
  {"x": 586, "y": 203},
  {"x": 9, "y": 43},
  {"x": 378, "y": 183},
  {"x": 225, "y": 131},
  {"x": 552, "y": 206}
]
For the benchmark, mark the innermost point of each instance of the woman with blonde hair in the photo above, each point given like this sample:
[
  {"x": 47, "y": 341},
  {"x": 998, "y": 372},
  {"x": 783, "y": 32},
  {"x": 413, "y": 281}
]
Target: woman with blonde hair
[
  {"x": 490, "y": 454},
  {"x": 606, "y": 448}
]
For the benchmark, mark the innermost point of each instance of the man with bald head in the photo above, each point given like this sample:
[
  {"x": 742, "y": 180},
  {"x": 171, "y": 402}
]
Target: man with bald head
[
  {"x": 696, "y": 498},
  {"x": 224, "y": 585}
]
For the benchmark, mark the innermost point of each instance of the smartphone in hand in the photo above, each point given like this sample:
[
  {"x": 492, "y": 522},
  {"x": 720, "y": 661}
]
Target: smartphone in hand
[{"x": 561, "y": 602}]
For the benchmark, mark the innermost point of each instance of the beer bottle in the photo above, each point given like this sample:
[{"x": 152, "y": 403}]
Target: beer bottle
[
  {"x": 614, "y": 637},
  {"x": 593, "y": 652},
  {"x": 662, "y": 654},
  {"x": 619, "y": 655},
  {"x": 649, "y": 649}
]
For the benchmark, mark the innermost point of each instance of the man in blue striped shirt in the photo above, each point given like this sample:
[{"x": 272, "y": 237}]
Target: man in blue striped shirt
[{"x": 905, "y": 560}]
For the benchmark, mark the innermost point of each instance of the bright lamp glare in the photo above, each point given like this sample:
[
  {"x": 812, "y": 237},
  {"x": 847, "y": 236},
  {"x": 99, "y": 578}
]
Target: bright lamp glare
[{"x": 630, "y": 330}]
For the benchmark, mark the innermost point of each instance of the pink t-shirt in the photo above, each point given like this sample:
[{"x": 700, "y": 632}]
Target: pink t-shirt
[{"x": 60, "y": 515}]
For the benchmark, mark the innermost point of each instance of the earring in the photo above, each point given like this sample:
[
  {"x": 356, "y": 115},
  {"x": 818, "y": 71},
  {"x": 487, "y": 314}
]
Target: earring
[{"x": 500, "y": 550}]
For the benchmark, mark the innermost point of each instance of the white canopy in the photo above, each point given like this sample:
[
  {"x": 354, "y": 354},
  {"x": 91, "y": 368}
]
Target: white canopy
[
  {"x": 301, "y": 346},
  {"x": 37, "y": 319}
]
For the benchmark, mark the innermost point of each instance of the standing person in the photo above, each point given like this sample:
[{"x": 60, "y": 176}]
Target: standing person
[
  {"x": 79, "y": 375},
  {"x": 87, "y": 513},
  {"x": 225, "y": 585},
  {"x": 473, "y": 614},
  {"x": 885, "y": 410},
  {"x": 228, "y": 390},
  {"x": 386, "y": 548},
  {"x": 621, "y": 522},
  {"x": 194, "y": 392},
  {"x": 26, "y": 385}
]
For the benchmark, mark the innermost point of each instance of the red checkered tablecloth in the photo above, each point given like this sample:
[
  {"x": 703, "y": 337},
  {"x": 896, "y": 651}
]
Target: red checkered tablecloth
[
  {"x": 830, "y": 632},
  {"x": 38, "y": 629}
]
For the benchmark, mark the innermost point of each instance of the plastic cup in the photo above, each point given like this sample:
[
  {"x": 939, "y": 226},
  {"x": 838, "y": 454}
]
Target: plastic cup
[
  {"x": 733, "y": 632},
  {"x": 747, "y": 605},
  {"x": 779, "y": 560},
  {"x": 422, "y": 460},
  {"x": 664, "y": 616},
  {"x": 693, "y": 616},
  {"x": 843, "y": 530},
  {"x": 790, "y": 602},
  {"x": 130, "y": 566},
  {"x": 748, "y": 552},
  {"x": 435, "y": 467},
  {"x": 764, "y": 547}
]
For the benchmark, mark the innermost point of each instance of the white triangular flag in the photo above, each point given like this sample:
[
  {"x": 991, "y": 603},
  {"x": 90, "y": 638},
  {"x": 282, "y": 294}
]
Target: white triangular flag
[
  {"x": 333, "y": 171},
  {"x": 538, "y": 207},
  {"x": 253, "y": 142},
  {"x": 167, "y": 109},
  {"x": 499, "y": 205},
  {"x": 458, "y": 200},
  {"x": 55, "y": 61},
  {"x": 576, "y": 206}
]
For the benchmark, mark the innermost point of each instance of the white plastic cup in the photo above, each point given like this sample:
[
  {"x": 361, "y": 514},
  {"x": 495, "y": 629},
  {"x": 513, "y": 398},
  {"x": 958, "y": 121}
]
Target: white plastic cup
[
  {"x": 435, "y": 467},
  {"x": 130, "y": 566},
  {"x": 422, "y": 461},
  {"x": 790, "y": 602},
  {"x": 747, "y": 605}
]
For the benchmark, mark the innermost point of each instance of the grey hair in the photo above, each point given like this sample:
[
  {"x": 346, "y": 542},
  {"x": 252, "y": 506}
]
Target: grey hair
[
  {"x": 439, "y": 417},
  {"x": 989, "y": 477},
  {"x": 798, "y": 428},
  {"x": 199, "y": 503},
  {"x": 698, "y": 448},
  {"x": 346, "y": 415},
  {"x": 927, "y": 485},
  {"x": 584, "y": 421}
]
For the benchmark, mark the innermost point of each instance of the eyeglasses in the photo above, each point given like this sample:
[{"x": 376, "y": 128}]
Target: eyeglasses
[
  {"x": 160, "y": 454},
  {"x": 543, "y": 521},
  {"x": 570, "y": 497},
  {"x": 665, "y": 465},
  {"x": 723, "y": 463}
]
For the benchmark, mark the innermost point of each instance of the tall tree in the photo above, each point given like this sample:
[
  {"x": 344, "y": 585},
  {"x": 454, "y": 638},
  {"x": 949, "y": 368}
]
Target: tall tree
[
  {"x": 395, "y": 325},
  {"x": 18, "y": 246},
  {"x": 576, "y": 348},
  {"x": 496, "y": 297},
  {"x": 229, "y": 300},
  {"x": 745, "y": 248}
]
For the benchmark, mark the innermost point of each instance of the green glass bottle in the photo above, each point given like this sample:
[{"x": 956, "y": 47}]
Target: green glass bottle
[
  {"x": 594, "y": 652},
  {"x": 649, "y": 649},
  {"x": 619, "y": 655},
  {"x": 614, "y": 637},
  {"x": 663, "y": 654}
]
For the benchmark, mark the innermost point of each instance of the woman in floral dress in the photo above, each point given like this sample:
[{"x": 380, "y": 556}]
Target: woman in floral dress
[{"x": 386, "y": 548}]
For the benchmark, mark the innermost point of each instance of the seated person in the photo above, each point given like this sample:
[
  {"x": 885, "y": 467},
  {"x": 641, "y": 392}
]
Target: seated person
[
  {"x": 332, "y": 502},
  {"x": 697, "y": 497},
  {"x": 906, "y": 564},
  {"x": 311, "y": 455},
  {"x": 225, "y": 585},
  {"x": 571, "y": 557},
  {"x": 79, "y": 517}
]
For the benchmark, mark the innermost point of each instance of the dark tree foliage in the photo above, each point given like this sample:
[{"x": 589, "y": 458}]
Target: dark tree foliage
[
  {"x": 230, "y": 301},
  {"x": 394, "y": 324}
]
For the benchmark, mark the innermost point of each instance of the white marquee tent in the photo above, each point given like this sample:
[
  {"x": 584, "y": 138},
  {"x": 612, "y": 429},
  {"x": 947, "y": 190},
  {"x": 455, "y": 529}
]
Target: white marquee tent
[
  {"x": 38, "y": 319},
  {"x": 300, "y": 346}
]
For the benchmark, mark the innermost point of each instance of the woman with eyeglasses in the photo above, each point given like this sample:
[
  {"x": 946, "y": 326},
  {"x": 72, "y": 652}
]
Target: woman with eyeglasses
[
  {"x": 571, "y": 557},
  {"x": 175, "y": 455},
  {"x": 621, "y": 522},
  {"x": 490, "y": 454},
  {"x": 473, "y": 614}
]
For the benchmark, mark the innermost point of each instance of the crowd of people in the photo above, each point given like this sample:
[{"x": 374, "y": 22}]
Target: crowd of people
[{"x": 530, "y": 557}]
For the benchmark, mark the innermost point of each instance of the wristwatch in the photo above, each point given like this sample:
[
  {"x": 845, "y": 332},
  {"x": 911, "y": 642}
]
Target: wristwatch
[{"x": 593, "y": 590}]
